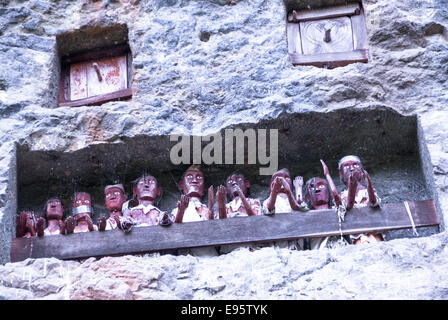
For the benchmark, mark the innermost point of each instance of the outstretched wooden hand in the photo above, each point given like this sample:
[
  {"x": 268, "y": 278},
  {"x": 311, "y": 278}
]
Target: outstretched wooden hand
[
  {"x": 372, "y": 196},
  {"x": 182, "y": 205},
  {"x": 21, "y": 224},
  {"x": 221, "y": 197},
  {"x": 352, "y": 190},
  {"x": 211, "y": 203},
  {"x": 101, "y": 223},
  {"x": 332, "y": 186},
  {"x": 124, "y": 223},
  {"x": 90, "y": 223},
  {"x": 324, "y": 166},
  {"x": 70, "y": 225},
  {"x": 298, "y": 185},
  {"x": 40, "y": 226},
  {"x": 278, "y": 183}
]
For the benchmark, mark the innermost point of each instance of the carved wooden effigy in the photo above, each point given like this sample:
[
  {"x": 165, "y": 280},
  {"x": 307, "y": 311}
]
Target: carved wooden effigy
[{"x": 240, "y": 230}]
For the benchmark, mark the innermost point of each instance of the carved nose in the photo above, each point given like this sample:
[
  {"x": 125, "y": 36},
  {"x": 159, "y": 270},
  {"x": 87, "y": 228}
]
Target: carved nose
[{"x": 327, "y": 37}]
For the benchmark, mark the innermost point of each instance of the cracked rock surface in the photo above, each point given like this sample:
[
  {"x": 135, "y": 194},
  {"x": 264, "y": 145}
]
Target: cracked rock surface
[{"x": 397, "y": 269}]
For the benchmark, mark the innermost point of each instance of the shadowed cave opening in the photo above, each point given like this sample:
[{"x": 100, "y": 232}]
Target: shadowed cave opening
[{"x": 390, "y": 146}]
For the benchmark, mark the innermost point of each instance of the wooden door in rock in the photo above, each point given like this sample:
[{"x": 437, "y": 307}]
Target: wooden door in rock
[
  {"x": 95, "y": 77},
  {"x": 327, "y": 37}
]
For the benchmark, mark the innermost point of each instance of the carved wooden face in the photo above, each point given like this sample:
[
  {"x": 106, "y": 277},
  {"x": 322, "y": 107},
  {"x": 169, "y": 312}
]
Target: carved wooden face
[
  {"x": 317, "y": 192},
  {"x": 55, "y": 210},
  {"x": 236, "y": 180},
  {"x": 114, "y": 198},
  {"x": 147, "y": 188},
  {"x": 192, "y": 184},
  {"x": 82, "y": 199},
  {"x": 351, "y": 167}
]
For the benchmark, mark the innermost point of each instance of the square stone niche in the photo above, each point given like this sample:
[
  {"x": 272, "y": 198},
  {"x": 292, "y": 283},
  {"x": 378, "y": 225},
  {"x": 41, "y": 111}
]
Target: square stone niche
[
  {"x": 95, "y": 66},
  {"x": 329, "y": 36},
  {"x": 390, "y": 146}
]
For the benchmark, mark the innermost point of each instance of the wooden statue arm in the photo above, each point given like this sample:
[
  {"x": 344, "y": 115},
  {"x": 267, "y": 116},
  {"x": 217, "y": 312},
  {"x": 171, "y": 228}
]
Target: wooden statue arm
[{"x": 331, "y": 185}]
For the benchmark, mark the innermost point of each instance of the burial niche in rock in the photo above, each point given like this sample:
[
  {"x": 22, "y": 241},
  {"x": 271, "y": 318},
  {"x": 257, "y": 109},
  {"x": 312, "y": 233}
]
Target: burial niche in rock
[
  {"x": 329, "y": 37},
  {"x": 390, "y": 145},
  {"x": 96, "y": 66}
]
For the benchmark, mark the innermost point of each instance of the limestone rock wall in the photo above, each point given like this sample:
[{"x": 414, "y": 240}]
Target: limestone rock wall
[
  {"x": 198, "y": 67},
  {"x": 398, "y": 269}
]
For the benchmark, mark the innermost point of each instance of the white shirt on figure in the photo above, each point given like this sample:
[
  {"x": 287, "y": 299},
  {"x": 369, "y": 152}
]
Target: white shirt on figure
[
  {"x": 281, "y": 204},
  {"x": 47, "y": 232},
  {"x": 232, "y": 208},
  {"x": 111, "y": 224},
  {"x": 361, "y": 199},
  {"x": 191, "y": 213},
  {"x": 146, "y": 210}
]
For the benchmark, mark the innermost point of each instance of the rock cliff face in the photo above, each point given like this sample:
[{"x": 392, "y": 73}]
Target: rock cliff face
[
  {"x": 398, "y": 269},
  {"x": 200, "y": 67}
]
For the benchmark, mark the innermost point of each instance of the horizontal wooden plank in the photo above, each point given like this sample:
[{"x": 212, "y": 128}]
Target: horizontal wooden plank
[
  {"x": 334, "y": 59},
  {"x": 196, "y": 234},
  {"x": 121, "y": 94},
  {"x": 281, "y": 226},
  {"x": 325, "y": 13}
]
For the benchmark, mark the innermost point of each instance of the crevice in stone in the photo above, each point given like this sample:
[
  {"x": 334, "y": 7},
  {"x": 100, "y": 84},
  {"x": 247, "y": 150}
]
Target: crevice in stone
[{"x": 297, "y": 276}]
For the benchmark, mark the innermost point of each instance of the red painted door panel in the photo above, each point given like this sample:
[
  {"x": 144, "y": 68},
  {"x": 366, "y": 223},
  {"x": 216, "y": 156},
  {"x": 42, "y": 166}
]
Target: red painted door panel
[{"x": 97, "y": 77}]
